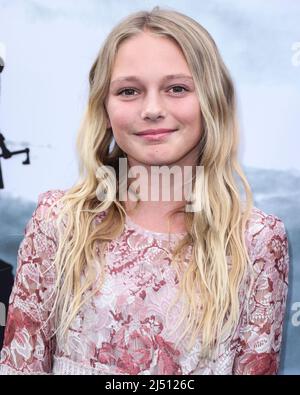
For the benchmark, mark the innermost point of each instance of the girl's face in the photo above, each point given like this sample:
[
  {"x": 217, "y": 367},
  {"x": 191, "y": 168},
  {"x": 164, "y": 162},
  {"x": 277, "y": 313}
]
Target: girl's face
[{"x": 152, "y": 88}]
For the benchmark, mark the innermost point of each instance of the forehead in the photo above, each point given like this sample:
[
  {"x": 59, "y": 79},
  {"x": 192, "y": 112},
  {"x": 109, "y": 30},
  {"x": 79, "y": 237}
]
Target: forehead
[{"x": 146, "y": 52}]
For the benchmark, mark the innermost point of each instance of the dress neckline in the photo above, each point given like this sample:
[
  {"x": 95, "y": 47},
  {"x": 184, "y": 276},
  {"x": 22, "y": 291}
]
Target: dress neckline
[{"x": 129, "y": 223}]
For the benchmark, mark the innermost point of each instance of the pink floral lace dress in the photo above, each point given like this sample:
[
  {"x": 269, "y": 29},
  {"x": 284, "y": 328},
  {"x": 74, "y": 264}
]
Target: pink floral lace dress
[{"x": 124, "y": 329}]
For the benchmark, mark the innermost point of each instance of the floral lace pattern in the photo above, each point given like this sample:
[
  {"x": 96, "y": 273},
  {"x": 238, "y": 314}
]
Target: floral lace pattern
[{"x": 125, "y": 328}]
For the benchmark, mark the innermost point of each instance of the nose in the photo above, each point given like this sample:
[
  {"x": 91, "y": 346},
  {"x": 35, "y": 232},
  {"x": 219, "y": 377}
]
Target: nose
[{"x": 153, "y": 107}]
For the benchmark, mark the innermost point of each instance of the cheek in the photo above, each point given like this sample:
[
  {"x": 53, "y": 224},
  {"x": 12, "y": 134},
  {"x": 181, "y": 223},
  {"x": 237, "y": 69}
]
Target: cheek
[
  {"x": 121, "y": 119},
  {"x": 189, "y": 113}
]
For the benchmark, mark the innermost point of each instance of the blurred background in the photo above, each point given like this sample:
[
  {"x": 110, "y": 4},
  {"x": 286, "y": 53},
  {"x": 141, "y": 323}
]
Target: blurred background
[{"x": 49, "y": 47}]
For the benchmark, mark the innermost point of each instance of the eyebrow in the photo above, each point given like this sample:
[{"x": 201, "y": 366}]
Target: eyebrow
[{"x": 166, "y": 78}]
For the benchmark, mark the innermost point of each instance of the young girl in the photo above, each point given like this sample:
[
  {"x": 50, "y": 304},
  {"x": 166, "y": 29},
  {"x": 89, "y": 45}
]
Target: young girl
[{"x": 114, "y": 283}]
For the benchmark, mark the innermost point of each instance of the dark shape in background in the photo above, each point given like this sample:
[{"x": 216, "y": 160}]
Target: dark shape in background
[
  {"x": 2, "y": 62},
  {"x": 6, "y": 272},
  {"x": 6, "y": 283},
  {"x": 7, "y": 154}
]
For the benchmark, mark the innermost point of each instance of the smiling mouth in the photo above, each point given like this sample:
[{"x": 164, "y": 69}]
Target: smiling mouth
[{"x": 155, "y": 136}]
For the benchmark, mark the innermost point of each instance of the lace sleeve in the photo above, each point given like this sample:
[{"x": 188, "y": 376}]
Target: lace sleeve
[
  {"x": 260, "y": 334},
  {"x": 28, "y": 342}
]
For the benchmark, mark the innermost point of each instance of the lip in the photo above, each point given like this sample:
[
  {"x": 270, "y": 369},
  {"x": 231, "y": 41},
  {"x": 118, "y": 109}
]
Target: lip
[{"x": 155, "y": 132}]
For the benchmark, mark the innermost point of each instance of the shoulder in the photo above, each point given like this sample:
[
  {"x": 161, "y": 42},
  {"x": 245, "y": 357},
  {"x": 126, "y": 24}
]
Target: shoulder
[
  {"x": 261, "y": 222},
  {"x": 42, "y": 225},
  {"x": 48, "y": 206},
  {"x": 262, "y": 226},
  {"x": 266, "y": 240},
  {"x": 49, "y": 198}
]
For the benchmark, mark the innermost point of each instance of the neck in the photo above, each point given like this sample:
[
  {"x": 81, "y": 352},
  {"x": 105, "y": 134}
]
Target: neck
[{"x": 161, "y": 190}]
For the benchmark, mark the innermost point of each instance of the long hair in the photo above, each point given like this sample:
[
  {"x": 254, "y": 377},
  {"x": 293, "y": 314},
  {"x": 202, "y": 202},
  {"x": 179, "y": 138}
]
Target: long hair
[{"x": 219, "y": 261}]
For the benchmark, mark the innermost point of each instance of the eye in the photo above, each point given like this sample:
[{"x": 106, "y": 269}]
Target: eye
[
  {"x": 180, "y": 87},
  {"x": 126, "y": 90},
  {"x": 132, "y": 90}
]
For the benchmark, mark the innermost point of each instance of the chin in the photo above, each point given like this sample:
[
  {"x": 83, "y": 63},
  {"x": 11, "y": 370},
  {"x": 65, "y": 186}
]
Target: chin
[{"x": 160, "y": 162}]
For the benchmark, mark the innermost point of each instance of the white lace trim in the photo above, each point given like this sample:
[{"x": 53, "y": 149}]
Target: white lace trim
[
  {"x": 8, "y": 371},
  {"x": 65, "y": 366}
]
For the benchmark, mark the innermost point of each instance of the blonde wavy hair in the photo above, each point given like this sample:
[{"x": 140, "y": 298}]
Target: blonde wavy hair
[{"x": 210, "y": 284}]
